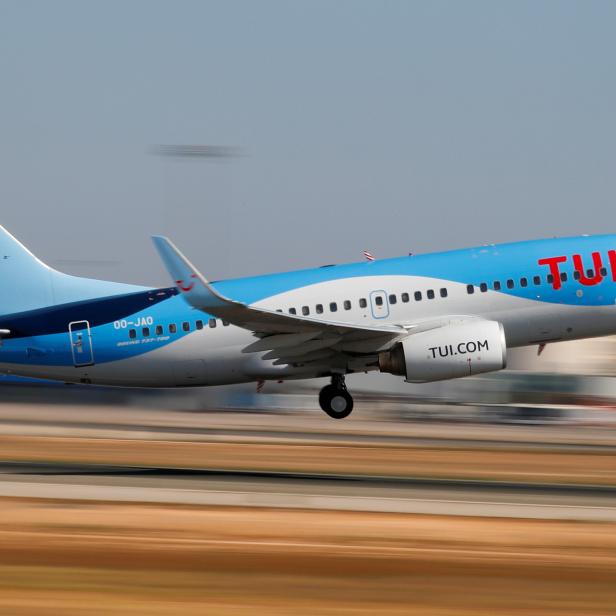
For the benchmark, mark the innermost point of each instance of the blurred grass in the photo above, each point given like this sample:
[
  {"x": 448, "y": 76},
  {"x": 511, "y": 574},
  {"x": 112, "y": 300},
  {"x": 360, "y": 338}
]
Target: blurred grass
[
  {"x": 508, "y": 463},
  {"x": 83, "y": 558}
]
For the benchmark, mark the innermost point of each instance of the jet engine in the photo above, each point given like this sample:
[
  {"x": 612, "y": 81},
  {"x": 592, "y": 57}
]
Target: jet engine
[{"x": 448, "y": 352}]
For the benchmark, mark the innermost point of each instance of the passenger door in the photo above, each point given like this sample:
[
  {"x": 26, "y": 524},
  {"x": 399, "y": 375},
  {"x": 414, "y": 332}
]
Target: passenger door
[{"x": 81, "y": 343}]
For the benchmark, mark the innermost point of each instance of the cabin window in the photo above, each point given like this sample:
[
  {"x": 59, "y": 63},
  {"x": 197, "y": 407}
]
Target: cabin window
[
  {"x": 199, "y": 324},
  {"x": 496, "y": 285},
  {"x": 470, "y": 289},
  {"x": 510, "y": 284},
  {"x": 333, "y": 307},
  {"x": 305, "y": 311},
  {"x": 443, "y": 292},
  {"x": 590, "y": 273},
  {"x": 186, "y": 326},
  {"x": 212, "y": 323},
  {"x": 523, "y": 282},
  {"x": 563, "y": 276},
  {"x": 378, "y": 300},
  {"x": 603, "y": 271},
  {"x": 319, "y": 308},
  {"x": 159, "y": 330},
  {"x": 363, "y": 303},
  {"x": 347, "y": 304},
  {"x": 146, "y": 332},
  {"x": 132, "y": 333},
  {"x": 172, "y": 328},
  {"x": 550, "y": 278},
  {"x": 576, "y": 275},
  {"x": 392, "y": 299},
  {"x": 430, "y": 294},
  {"x": 537, "y": 280},
  {"x": 483, "y": 287},
  {"x": 417, "y": 296},
  {"x": 405, "y": 298},
  {"x": 292, "y": 311}
]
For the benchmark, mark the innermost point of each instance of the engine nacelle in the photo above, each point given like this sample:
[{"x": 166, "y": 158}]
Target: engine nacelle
[{"x": 448, "y": 352}]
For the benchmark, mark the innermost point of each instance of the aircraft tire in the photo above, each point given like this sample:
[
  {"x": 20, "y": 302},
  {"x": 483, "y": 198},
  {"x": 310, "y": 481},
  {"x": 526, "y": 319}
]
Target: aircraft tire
[{"x": 336, "y": 402}]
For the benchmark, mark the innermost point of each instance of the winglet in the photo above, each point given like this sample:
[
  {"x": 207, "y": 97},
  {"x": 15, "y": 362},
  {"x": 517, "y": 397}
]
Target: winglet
[{"x": 197, "y": 291}]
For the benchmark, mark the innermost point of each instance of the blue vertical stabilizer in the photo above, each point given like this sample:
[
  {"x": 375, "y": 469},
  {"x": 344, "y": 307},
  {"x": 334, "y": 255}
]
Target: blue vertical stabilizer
[{"x": 26, "y": 283}]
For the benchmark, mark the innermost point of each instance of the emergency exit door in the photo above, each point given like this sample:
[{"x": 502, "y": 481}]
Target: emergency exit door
[{"x": 379, "y": 304}]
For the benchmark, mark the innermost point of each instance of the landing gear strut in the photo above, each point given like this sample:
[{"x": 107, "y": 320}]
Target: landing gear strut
[{"x": 335, "y": 400}]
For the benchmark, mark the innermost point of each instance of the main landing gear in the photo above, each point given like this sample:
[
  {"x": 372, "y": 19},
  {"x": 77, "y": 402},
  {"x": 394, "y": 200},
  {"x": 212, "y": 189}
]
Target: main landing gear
[{"x": 335, "y": 400}]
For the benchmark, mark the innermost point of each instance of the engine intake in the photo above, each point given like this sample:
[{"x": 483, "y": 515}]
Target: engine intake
[{"x": 448, "y": 352}]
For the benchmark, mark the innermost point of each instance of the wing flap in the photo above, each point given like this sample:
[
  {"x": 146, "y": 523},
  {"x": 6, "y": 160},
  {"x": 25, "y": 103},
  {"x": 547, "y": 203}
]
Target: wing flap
[
  {"x": 278, "y": 341},
  {"x": 307, "y": 347},
  {"x": 306, "y": 357}
]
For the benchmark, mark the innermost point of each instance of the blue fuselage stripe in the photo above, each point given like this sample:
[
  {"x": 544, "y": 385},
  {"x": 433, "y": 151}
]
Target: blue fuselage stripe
[{"x": 55, "y": 319}]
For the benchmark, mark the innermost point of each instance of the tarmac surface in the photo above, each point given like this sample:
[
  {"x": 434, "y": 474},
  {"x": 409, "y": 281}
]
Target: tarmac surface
[{"x": 308, "y": 491}]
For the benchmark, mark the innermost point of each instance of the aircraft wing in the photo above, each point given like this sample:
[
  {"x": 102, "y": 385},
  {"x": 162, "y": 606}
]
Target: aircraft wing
[{"x": 287, "y": 337}]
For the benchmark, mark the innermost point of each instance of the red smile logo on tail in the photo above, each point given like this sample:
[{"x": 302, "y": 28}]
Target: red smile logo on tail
[{"x": 188, "y": 287}]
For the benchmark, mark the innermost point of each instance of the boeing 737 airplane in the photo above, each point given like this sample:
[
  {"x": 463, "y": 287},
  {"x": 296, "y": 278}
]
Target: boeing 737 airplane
[{"x": 425, "y": 317}]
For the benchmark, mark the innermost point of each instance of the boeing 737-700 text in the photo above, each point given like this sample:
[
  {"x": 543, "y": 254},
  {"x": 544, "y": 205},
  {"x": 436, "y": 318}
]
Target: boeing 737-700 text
[{"x": 424, "y": 317}]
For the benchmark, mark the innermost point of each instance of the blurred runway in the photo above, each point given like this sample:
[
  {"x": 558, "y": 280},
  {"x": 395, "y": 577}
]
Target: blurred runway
[
  {"x": 308, "y": 491},
  {"x": 114, "y": 510},
  {"x": 303, "y": 460}
]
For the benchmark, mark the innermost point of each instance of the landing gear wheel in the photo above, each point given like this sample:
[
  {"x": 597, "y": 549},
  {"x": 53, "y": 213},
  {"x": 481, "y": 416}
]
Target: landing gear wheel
[{"x": 336, "y": 401}]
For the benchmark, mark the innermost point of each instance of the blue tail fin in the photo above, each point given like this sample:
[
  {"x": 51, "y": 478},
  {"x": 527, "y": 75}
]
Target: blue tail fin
[{"x": 26, "y": 283}]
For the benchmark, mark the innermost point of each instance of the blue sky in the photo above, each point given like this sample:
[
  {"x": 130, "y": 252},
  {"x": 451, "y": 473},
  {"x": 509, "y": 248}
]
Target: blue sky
[{"x": 390, "y": 126}]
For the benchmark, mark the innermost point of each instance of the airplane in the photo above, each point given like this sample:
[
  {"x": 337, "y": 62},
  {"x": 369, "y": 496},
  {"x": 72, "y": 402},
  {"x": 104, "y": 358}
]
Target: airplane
[{"x": 426, "y": 317}]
